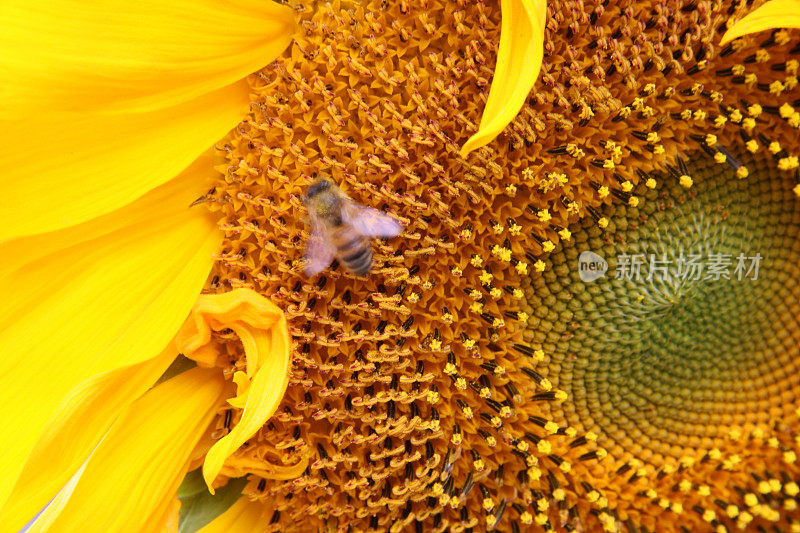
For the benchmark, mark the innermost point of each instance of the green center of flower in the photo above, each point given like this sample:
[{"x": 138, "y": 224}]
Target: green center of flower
[{"x": 693, "y": 329}]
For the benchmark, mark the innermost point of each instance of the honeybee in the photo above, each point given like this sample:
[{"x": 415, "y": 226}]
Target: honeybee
[{"x": 342, "y": 228}]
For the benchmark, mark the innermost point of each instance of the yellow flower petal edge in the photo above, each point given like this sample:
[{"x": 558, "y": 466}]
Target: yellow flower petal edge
[
  {"x": 129, "y": 482},
  {"x": 243, "y": 516},
  {"x": 262, "y": 328},
  {"x": 241, "y": 465},
  {"x": 92, "y": 165},
  {"x": 73, "y": 431},
  {"x": 773, "y": 14},
  {"x": 519, "y": 60},
  {"x": 115, "y": 56},
  {"x": 170, "y": 522},
  {"x": 109, "y": 293}
]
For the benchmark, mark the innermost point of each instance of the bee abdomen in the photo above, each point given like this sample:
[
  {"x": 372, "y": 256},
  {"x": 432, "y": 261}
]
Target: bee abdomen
[{"x": 359, "y": 261}]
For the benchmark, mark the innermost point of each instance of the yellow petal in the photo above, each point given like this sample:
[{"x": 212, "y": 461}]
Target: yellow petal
[
  {"x": 242, "y": 390},
  {"x": 773, "y": 14},
  {"x": 243, "y": 516},
  {"x": 129, "y": 483},
  {"x": 241, "y": 465},
  {"x": 60, "y": 170},
  {"x": 73, "y": 431},
  {"x": 118, "y": 56},
  {"x": 519, "y": 59},
  {"x": 106, "y": 294},
  {"x": 170, "y": 521},
  {"x": 261, "y": 326}
]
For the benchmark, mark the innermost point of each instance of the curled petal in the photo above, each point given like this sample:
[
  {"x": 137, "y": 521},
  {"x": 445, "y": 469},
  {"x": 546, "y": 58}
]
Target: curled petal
[
  {"x": 261, "y": 326},
  {"x": 241, "y": 465},
  {"x": 519, "y": 60},
  {"x": 773, "y": 14}
]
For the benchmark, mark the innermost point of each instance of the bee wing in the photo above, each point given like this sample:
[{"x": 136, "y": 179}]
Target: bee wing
[
  {"x": 319, "y": 250},
  {"x": 370, "y": 222}
]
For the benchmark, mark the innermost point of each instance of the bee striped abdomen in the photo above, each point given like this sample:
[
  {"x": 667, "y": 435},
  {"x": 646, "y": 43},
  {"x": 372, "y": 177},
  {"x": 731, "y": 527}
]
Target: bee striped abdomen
[
  {"x": 343, "y": 229},
  {"x": 356, "y": 255}
]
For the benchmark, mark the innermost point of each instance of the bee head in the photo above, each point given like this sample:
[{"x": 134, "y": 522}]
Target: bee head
[
  {"x": 325, "y": 200},
  {"x": 317, "y": 186}
]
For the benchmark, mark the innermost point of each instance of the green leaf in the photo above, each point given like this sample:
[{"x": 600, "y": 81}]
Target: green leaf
[
  {"x": 192, "y": 484},
  {"x": 180, "y": 365},
  {"x": 198, "y": 506}
]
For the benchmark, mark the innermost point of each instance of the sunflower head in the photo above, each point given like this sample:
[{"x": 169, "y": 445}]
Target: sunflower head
[
  {"x": 589, "y": 321},
  {"x": 474, "y": 379}
]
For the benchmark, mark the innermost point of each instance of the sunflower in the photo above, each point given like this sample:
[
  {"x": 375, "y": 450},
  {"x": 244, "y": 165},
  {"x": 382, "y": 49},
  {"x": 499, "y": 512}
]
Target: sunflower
[{"x": 475, "y": 380}]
